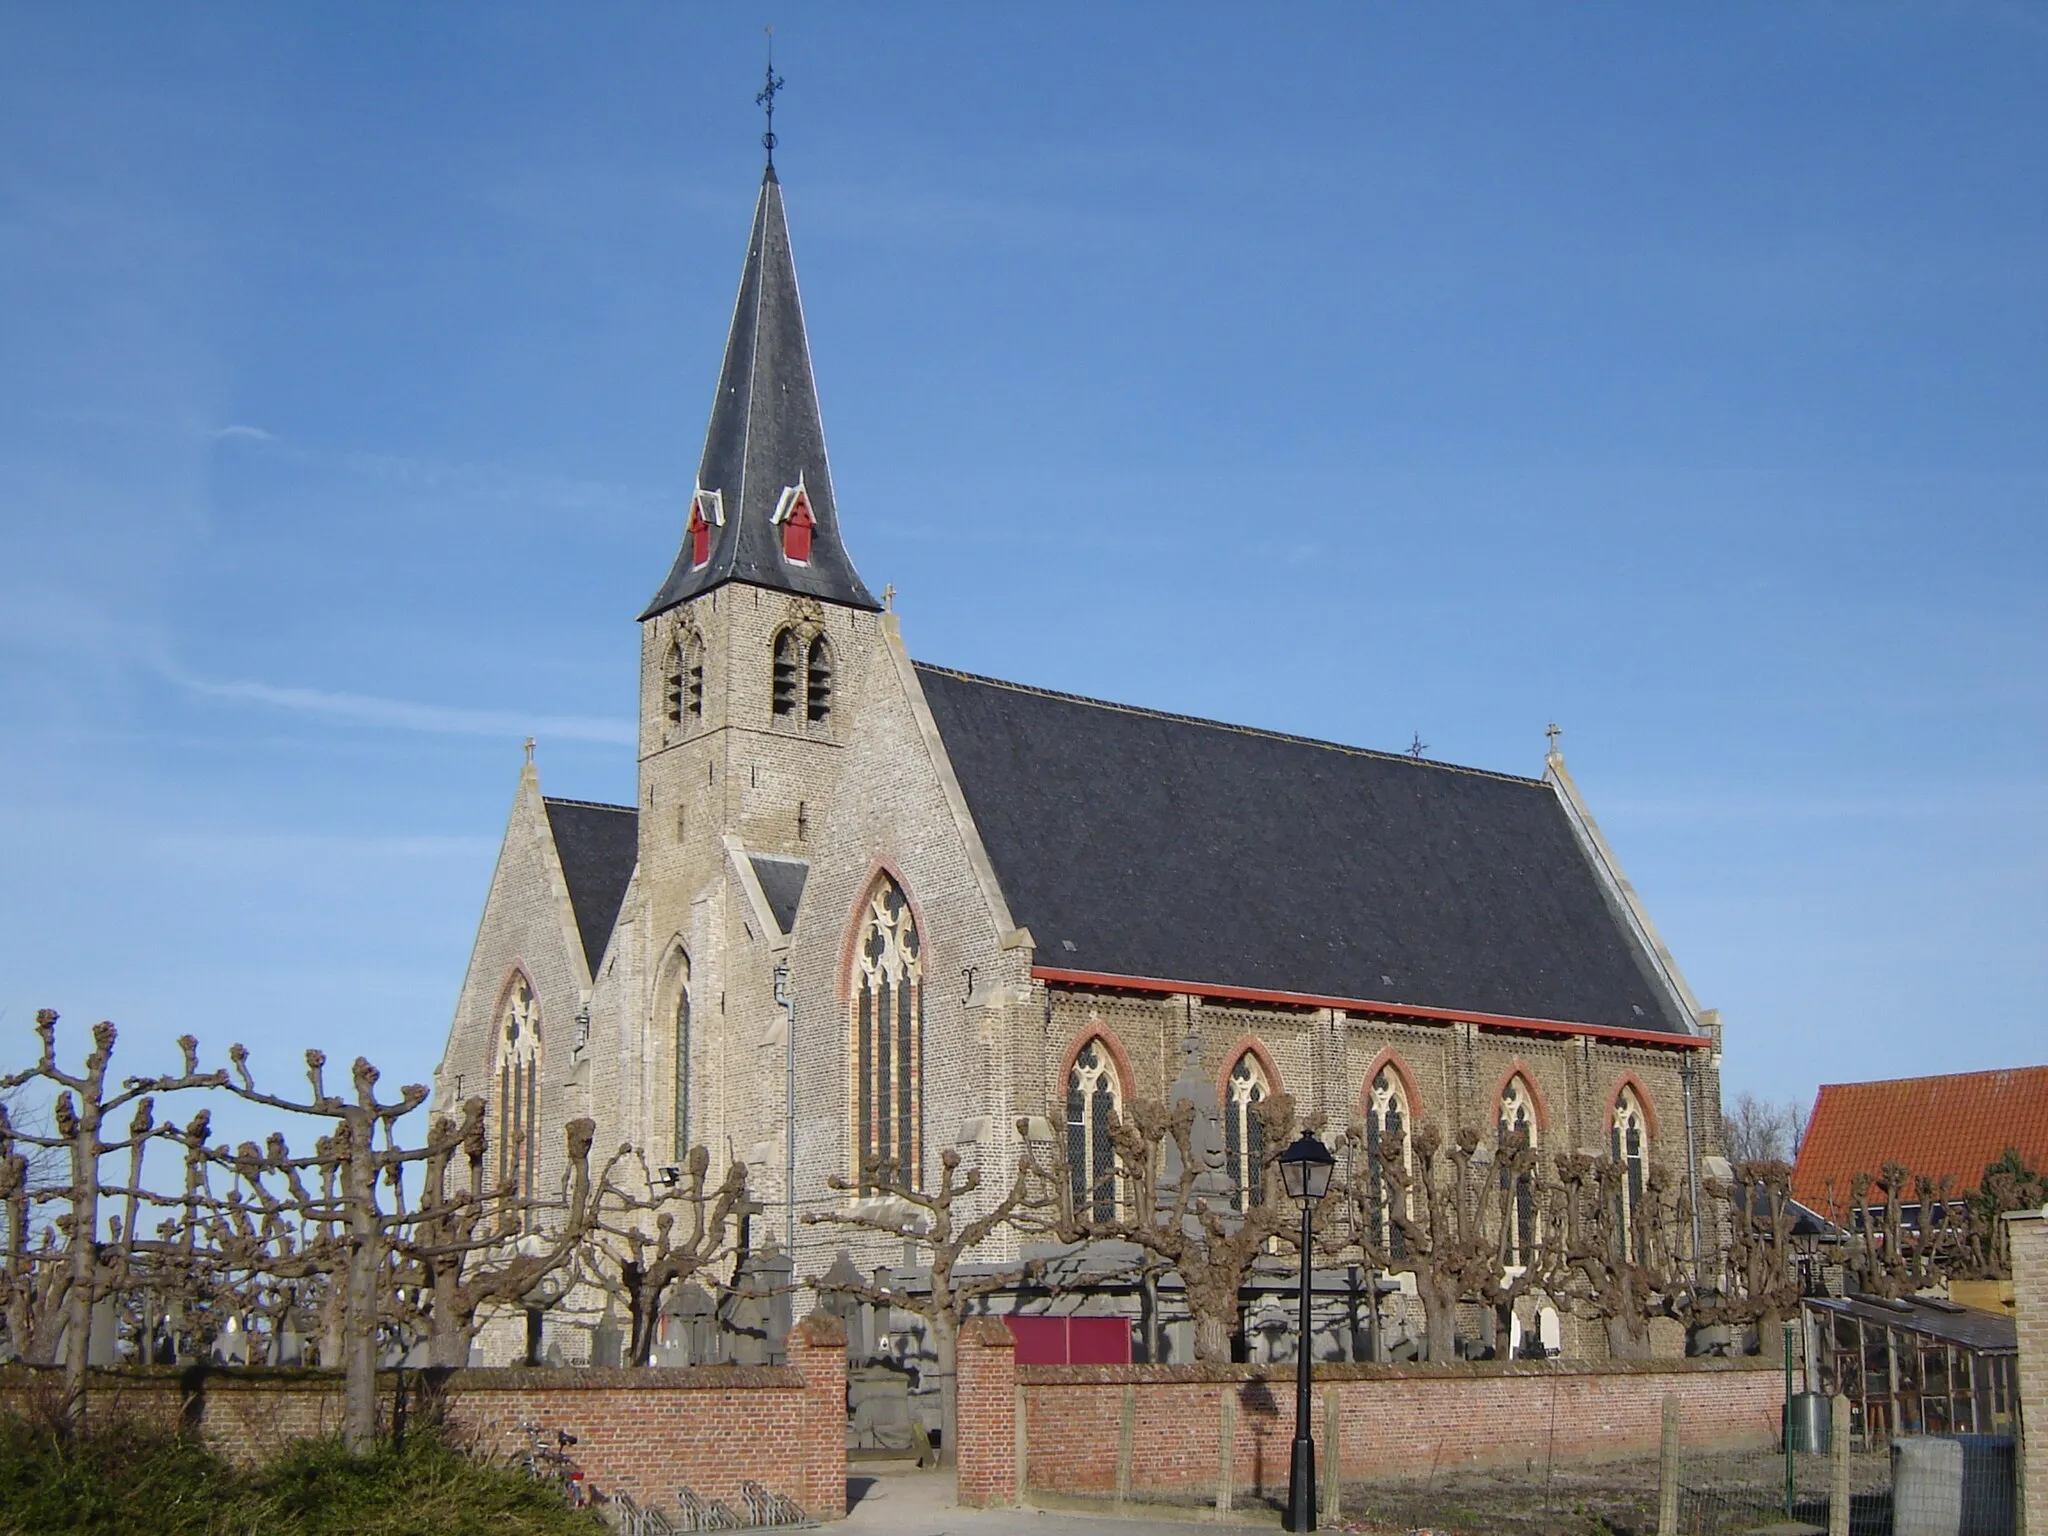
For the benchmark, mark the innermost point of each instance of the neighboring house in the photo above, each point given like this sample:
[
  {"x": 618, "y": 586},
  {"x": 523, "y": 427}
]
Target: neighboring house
[
  {"x": 1950, "y": 1127},
  {"x": 977, "y": 902}
]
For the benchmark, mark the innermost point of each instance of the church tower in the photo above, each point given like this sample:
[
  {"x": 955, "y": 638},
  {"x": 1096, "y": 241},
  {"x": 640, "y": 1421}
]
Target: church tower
[{"x": 754, "y": 654}]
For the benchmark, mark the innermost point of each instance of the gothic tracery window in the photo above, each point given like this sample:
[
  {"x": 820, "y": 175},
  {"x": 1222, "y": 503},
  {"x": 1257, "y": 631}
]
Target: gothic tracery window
[
  {"x": 1092, "y": 1099},
  {"x": 1517, "y": 1120},
  {"x": 1244, "y": 1138},
  {"x": 1631, "y": 1147},
  {"x": 888, "y": 1036},
  {"x": 1387, "y": 1121},
  {"x": 518, "y": 1050}
]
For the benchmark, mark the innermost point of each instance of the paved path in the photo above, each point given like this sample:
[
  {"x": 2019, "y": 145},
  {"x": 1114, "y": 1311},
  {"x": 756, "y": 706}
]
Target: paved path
[{"x": 921, "y": 1504}]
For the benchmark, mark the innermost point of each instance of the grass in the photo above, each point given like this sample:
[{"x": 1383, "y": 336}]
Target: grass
[{"x": 125, "y": 1481}]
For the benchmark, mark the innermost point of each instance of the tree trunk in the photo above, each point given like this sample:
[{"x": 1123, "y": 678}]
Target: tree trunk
[
  {"x": 359, "y": 1339},
  {"x": 82, "y": 1260},
  {"x": 1440, "y": 1320},
  {"x": 1212, "y": 1336},
  {"x": 945, "y": 1338},
  {"x": 1628, "y": 1336}
]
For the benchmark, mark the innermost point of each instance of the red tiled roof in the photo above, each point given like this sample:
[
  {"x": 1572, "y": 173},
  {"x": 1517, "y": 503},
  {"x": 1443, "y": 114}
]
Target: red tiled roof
[{"x": 1936, "y": 1126}]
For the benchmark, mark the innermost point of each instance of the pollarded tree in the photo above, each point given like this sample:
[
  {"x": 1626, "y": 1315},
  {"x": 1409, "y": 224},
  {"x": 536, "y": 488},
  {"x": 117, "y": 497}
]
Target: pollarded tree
[
  {"x": 891, "y": 1203},
  {"x": 1210, "y": 1240},
  {"x": 1614, "y": 1254},
  {"x": 364, "y": 1157},
  {"x": 468, "y": 1246},
  {"x": 647, "y": 1239}
]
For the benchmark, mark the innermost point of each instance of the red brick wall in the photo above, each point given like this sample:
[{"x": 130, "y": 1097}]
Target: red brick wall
[
  {"x": 641, "y": 1432},
  {"x": 986, "y": 1459},
  {"x": 1391, "y": 1418}
]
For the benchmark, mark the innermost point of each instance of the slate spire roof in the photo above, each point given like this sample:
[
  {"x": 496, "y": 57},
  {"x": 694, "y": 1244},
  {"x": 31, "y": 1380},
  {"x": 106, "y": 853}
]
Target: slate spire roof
[{"x": 766, "y": 439}]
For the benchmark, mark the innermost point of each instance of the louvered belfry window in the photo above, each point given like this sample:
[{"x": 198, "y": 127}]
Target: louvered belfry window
[
  {"x": 888, "y": 1037},
  {"x": 1091, "y": 1157},
  {"x": 818, "y": 681},
  {"x": 693, "y": 676},
  {"x": 783, "y": 700},
  {"x": 1244, "y": 1138}
]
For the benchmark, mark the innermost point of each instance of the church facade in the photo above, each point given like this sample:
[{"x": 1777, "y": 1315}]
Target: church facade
[{"x": 868, "y": 906}]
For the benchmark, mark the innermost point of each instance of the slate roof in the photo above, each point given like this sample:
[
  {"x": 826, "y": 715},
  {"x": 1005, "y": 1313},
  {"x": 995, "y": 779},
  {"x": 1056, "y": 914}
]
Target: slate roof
[
  {"x": 1953, "y": 1126},
  {"x": 782, "y": 882},
  {"x": 598, "y": 846},
  {"x": 1135, "y": 843},
  {"x": 766, "y": 434}
]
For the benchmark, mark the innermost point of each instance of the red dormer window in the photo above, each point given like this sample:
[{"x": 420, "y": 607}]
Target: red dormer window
[
  {"x": 705, "y": 514},
  {"x": 797, "y": 522},
  {"x": 700, "y": 538}
]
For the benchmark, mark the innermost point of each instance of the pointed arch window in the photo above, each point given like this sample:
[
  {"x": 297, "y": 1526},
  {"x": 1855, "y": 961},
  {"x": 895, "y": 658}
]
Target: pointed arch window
[
  {"x": 818, "y": 681},
  {"x": 783, "y": 681},
  {"x": 519, "y": 1059},
  {"x": 1630, "y": 1140},
  {"x": 1387, "y": 1121},
  {"x": 682, "y": 1033},
  {"x": 683, "y": 679},
  {"x": 1093, "y": 1097},
  {"x": 888, "y": 1036},
  {"x": 1244, "y": 1137},
  {"x": 1516, "y": 1120}
]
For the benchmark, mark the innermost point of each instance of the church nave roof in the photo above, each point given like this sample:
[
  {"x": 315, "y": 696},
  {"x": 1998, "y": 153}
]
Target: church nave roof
[{"x": 1148, "y": 845}]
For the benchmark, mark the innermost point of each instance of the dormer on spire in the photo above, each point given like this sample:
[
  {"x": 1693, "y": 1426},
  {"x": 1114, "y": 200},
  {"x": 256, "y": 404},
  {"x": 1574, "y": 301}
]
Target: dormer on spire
[{"x": 764, "y": 511}]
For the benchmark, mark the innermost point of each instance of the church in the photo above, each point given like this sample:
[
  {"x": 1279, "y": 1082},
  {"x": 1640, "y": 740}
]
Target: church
[{"x": 866, "y": 905}]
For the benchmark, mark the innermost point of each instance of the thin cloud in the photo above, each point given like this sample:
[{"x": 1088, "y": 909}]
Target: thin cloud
[{"x": 406, "y": 715}]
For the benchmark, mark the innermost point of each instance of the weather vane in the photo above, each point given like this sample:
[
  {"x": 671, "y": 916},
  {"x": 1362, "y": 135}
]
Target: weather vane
[{"x": 767, "y": 98}]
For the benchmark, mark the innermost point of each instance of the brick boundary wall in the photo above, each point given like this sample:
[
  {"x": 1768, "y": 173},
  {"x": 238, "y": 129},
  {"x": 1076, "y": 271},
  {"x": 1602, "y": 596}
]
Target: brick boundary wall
[
  {"x": 1392, "y": 1418},
  {"x": 641, "y": 1431},
  {"x": 2028, "y": 1231}
]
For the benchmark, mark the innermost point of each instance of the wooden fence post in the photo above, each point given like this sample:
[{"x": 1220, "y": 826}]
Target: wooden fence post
[
  {"x": 1838, "y": 1451},
  {"x": 1667, "y": 1470}
]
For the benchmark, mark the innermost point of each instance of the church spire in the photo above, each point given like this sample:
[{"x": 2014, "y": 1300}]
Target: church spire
[{"x": 763, "y": 511}]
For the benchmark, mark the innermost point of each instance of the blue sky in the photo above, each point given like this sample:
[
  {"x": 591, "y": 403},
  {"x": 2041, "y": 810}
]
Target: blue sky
[{"x": 1676, "y": 373}]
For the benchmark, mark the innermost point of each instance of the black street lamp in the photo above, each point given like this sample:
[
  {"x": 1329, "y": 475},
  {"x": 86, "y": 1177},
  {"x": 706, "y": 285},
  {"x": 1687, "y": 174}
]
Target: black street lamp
[{"x": 1305, "y": 1169}]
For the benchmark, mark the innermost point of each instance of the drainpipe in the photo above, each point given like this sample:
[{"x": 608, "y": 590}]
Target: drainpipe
[
  {"x": 785, "y": 999},
  {"x": 1692, "y": 1157}
]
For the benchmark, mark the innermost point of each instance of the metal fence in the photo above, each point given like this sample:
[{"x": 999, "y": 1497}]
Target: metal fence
[{"x": 1922, "y": 1485}]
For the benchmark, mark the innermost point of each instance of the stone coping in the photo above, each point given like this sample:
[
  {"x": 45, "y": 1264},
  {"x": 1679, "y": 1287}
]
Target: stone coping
[
  {"x": 652, "y": 1378},
  {"x": 1335, "y": 1371}
]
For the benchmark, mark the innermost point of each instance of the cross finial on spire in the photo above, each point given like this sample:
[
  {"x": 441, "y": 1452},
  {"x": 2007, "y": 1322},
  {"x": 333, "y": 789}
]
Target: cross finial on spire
[
  {"x": 529, "y": 751},
  {"x": 889, "y": 596},
  {"x": 1553, "y": 731},
  {"x": 766, "y": 99}
]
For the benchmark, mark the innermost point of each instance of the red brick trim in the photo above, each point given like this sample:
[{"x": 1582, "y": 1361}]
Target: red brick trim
[
  {"x": 1368, "y": 1007},
  {"x": 1391, "y": 1058},
  {"x": 1127, "y": 1080},
  {"x": 1520, "y": 1068},
  {"x": 1634, "y": 1084},
  {"x": 1246, "y": 1045}
]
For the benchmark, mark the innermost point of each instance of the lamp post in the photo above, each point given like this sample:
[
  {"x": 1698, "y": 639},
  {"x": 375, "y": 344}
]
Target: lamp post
[{"x": 1305, "y": 1169}]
